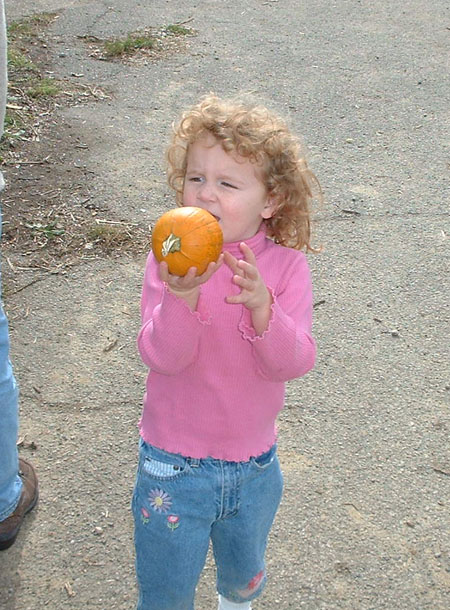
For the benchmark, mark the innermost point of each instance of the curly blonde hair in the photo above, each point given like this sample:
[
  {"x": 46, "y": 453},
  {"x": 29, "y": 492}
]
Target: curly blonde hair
[{"x": 257, "y": 134}]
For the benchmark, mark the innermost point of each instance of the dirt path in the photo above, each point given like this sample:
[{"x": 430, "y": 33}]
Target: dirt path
[{"x": 364, "y": 438}]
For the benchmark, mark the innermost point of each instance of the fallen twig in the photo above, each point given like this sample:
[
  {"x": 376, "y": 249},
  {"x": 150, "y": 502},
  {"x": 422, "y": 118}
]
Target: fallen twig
[{"x": 25, "y": 286}]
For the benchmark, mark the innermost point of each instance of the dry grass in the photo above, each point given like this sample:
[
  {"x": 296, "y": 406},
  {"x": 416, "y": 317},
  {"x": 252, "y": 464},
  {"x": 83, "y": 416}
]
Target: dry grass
[
  {"x": 50, "y": 223},
  {"x": 149, "y": 44},
  {"x": 50, "y": 220}
]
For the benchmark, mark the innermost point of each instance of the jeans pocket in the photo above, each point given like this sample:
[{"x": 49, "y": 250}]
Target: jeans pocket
[
  {"x": 161, "y": 465},
  {"x": 263, "y": 461},
  {"x": 161, "y": 470}
]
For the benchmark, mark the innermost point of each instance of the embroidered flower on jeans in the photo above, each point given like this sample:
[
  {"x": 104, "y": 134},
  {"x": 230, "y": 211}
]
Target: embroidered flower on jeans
[
  {"x": 145, "y": 516},
  {"x": 173, "y": 521},
  {"x": 160, "y": 501}
]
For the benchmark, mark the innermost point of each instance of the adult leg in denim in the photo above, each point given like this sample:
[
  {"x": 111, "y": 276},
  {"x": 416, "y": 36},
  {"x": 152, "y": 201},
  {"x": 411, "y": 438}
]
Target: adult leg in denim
[
  {"x": 172, "y": 528},
  {"x": 10, "y": 482},
  {"x": 239, "y": 541}
]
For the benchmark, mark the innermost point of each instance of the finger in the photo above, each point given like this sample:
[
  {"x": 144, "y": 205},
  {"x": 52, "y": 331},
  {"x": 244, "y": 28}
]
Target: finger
[
  {"x": 248, "y": 253},
  {"x": 216, "y": 265},
  {"x": 190, "y": 275},
  {"x": 248, "y": 269},
  {"x": 164, "y": 272},
  {"x": 231, "y": 261},
  {"x": 210, "y": 270},
  {"x": 235, "y": 299},
  {"x": 244, "y": 283},
  {"x": 185, "y": 282}
]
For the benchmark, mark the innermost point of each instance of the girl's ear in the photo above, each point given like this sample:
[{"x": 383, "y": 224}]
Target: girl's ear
[{"x": 270, "y": 207}]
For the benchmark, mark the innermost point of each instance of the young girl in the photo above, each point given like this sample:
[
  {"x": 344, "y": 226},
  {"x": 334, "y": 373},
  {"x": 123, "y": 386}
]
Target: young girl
[{"x": 220, "y": 348}]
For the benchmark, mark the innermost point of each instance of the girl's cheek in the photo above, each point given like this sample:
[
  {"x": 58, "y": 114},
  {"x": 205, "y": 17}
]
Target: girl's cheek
[{"x": 186, "y": 196}]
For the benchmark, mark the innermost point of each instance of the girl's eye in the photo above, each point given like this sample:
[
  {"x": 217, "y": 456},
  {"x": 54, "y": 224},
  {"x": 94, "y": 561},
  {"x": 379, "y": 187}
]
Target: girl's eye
[
  {"x": 227, "y": 184},
  {"x": 195, "y": 179}
]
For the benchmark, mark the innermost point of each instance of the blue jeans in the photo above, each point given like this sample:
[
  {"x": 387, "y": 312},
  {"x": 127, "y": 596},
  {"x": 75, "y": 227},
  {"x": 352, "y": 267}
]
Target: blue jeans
[
  {"x": 10, "y": 482},
  {"x": 180, "y": 504}
]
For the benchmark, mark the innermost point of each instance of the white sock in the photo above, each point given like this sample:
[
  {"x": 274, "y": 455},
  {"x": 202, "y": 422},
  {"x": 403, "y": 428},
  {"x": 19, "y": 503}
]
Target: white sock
[{"x": 225, "y": 604}]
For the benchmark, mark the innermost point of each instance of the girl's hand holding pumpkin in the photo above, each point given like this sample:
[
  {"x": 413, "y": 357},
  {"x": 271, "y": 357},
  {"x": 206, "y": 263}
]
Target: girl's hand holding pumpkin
[
  {"x": 254, "y": 293},
  {"x": 187, "y": 287}
]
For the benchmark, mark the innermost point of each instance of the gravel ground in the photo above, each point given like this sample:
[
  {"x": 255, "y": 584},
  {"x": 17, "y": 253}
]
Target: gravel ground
[{"x": 364, "y": 523}]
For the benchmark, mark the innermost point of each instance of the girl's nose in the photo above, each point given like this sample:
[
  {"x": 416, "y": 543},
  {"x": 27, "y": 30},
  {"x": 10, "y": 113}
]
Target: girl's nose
[{"x": 206, "y": 192}]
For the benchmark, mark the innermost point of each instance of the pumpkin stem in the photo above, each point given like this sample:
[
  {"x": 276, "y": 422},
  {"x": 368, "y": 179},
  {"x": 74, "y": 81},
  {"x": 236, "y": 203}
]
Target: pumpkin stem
[{"x": 171, "y": 244}]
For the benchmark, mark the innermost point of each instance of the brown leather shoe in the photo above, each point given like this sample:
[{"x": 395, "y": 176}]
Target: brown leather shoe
[{"x": 9, "y": 528}]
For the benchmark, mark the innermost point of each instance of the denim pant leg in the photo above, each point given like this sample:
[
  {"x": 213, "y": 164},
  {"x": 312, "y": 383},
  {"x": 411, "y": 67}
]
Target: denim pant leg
[
  {"x": 10, "y": 482},
  {"x": 173, "y": 507},
  {"x": 240, "y": 539}
]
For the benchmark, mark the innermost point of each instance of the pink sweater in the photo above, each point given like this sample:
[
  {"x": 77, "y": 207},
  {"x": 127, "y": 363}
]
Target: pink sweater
[{"x": 214, "y": 388}]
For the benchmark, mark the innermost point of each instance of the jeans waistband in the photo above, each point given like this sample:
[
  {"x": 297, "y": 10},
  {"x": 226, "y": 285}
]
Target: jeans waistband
[{"x": 195, "y": 462}]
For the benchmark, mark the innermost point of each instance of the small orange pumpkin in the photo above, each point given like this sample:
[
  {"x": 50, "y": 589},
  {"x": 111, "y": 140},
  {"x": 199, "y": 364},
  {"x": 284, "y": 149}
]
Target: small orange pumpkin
[{"x": 187, "y": 237}]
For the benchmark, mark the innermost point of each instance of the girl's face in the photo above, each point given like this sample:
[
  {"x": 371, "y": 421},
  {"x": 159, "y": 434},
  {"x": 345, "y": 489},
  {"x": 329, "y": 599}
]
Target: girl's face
[{"x": 228, "y": 186}]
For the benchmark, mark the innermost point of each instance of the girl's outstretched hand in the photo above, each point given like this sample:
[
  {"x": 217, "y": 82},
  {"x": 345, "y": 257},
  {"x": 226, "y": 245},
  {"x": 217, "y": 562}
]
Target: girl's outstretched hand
[
  {"x": 254, "y": 293},
  {"x": 188, "y": 286}
]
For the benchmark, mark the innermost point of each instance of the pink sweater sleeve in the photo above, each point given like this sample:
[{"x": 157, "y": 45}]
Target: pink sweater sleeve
[
  {"x": 287, "y": 349},
  {"x": 170, "y": 331}
]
